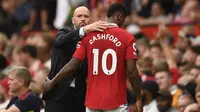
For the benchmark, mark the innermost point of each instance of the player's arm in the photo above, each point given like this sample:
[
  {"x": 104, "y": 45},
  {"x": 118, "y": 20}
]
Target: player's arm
[
  {"x": 134, "y": 77},
  {"x": 132, "y": 71},
  {"x": 67, "y": 70},
  {"x": 135, "y": 80}
]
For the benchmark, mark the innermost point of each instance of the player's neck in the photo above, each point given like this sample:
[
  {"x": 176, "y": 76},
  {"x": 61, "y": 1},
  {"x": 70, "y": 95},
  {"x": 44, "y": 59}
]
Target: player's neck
[
  {"x": 111, "y": 23},
  {"x": 110, "y": 20}
]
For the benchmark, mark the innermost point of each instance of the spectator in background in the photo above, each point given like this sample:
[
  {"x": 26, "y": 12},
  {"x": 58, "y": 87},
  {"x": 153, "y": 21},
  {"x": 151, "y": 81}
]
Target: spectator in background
[
  {"x": 28, "y": 58},
  {"x": 164, "y": 102},
  {"x": 15, "y": 57},
  {"x": 183, "y": 101},
  {"x": 3, "y": 42},
  {"x": 156, "y": 51},
  {"x": 145, "y": 10},
  {"x": 3, "y": 63},
  {"x": 38, "y": 80},
  {"x": 178, "y": 55},
  {"x": 19, "y": 79},
  {"x": 188, "y": 13},
  {"x": 40, "y": 15},
  {"x": 4, "y": 96},
  {"x": 149, "y": 93},
  {"x": 197, "y": 62},
  {"x": 193, "y": 74},
  {"x": 99, "y": 12},
  {"x": 6, "y": 14},
  {"x": 170, "y": 61},
  {"x": 190, "y": 55},
  {"x": 164, "y": 80},
  {"x": 178, "y": 5},
  {"x": 157, "y": 16},
  {"x": 143, "y": 47},
  {"x": 195, "y": 107},
  {"x": 188, "y": 31},
  {"x": 44, "y": 47},
  {"x": 44, "y": 43}
]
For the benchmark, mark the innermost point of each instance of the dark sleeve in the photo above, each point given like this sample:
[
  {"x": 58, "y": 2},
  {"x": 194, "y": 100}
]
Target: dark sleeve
[
  {"x": 28, "y": 104},
  {"x": 65, "y": 36}
]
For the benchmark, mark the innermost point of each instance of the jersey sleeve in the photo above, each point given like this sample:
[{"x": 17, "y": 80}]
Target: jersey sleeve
[
  {"x": 131, "y": 49},
  {"x": 80, "y": 52}
]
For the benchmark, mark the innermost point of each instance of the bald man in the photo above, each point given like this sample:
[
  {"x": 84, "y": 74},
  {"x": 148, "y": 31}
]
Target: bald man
[{"x": 69, "y": 94}]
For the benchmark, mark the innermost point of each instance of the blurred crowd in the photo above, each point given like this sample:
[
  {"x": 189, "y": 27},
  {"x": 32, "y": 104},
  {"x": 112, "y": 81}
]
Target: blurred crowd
[{"x": 170, "y": 70}]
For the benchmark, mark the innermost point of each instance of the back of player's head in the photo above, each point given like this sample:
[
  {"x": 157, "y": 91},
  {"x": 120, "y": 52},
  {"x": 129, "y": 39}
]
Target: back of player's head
[
  {"x": 116, "y": 8},
  {"x": 117, "y": 14}
]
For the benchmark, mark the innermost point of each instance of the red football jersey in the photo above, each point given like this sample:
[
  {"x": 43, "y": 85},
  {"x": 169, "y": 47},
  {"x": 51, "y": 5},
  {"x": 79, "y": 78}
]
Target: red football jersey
[{"x": 106, "y": 52}]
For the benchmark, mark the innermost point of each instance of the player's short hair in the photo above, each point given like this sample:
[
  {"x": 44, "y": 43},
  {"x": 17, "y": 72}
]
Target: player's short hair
[
  {"x": 22, "y": 73},
  {"x": 116, "y": 7}
]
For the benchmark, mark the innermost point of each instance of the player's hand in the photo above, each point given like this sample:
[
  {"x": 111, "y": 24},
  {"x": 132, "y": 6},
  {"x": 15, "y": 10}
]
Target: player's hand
[
  {"x": 139, "y": 106},
  {"x": 96, "y": 26},
  {"x": 48, "y": 85}
]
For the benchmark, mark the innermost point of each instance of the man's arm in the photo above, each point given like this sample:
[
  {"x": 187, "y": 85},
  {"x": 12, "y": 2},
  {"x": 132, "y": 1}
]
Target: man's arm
[
  {"x": 67, "y": 70},
  {"x": 11, "y": 109},
  {"x": 134, "y": 78},
  {"x": 65, "y": 36}
]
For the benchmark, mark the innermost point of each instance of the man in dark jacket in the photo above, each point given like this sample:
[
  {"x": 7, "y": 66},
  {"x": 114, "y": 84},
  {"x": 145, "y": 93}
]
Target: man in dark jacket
[{"x": 69, "y": 94}]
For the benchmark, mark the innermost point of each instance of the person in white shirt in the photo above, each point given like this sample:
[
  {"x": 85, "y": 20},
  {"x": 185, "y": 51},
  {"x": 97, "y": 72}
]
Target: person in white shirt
[{"x": 149, "y": 94}]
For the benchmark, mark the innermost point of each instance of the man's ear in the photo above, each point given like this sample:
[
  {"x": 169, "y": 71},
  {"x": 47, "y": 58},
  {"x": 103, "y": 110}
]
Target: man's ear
[
  {"x": 91, "y": 19},
  {"x": 21, "y": 82},
  {"x": 73, "y": 20}
]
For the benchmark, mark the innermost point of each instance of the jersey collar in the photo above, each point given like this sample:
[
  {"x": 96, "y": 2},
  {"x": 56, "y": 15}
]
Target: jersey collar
[{"x": 110, "y": 25}]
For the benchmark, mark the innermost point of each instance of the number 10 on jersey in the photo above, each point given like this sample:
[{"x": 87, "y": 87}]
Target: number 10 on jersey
[{"x": 104, "y": 61}]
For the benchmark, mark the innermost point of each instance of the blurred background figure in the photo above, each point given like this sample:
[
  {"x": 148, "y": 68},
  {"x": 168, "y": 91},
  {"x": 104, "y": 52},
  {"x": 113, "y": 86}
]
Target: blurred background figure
[
  {"x": 149, "y": 94},
  {"x": 184, "y": 100},
  {"x": 164, "y": 102}
]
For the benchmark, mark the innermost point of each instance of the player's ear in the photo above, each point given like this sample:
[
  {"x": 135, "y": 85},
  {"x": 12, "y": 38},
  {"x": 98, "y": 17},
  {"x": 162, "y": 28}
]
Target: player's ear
[{"x": 121, "y": 16}]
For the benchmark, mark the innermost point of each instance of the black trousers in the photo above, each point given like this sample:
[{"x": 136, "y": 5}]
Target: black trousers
[{"x": 71, "y": 102}]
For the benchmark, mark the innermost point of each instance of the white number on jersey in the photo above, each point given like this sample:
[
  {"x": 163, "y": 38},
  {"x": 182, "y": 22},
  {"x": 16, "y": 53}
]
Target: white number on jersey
[{"x": 104, "y": 62}]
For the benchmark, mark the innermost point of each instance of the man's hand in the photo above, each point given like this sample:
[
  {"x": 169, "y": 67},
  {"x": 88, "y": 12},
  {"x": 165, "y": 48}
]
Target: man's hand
[
  {"x": 96, "y": 26},
  {"x": 3, "y": 110},
  {"x": 139, "y": 106},
  {"x": 48, "y": 85}
]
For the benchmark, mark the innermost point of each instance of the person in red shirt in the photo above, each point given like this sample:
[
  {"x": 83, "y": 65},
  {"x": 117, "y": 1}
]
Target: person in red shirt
[{"x": 112, "y": 58}]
